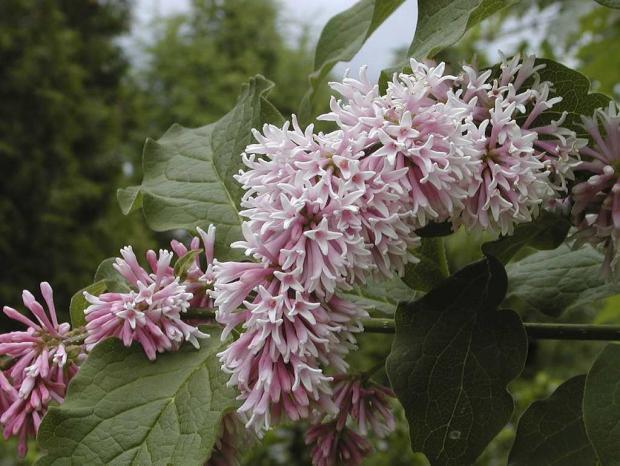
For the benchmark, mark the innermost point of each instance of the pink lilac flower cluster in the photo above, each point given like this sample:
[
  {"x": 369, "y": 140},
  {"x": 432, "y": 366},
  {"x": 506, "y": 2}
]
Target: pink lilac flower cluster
[
  {"x": 527, "y": 157},
  {"x": 42, "y": 360},
  {"x": 288, "y": 336},
  {"x": 363, "y": 408},
  {"x": 596, "y": 200},
  {"x": 476, "y": 152},
  {"x": 326, "y": 211},
  {"x": 150, "y": 312}
]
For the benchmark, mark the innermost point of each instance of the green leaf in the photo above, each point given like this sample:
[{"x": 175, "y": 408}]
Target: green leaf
[
  {"x": 574, "y": 88},
  {"x": 452, "y": 356},
  {"x": 79, "y": 303},
  {"x": 270, "y": 114},
  {"x": 601, "y": 405},
  {"x": 552, "y": 433},
  {"x": 442, "y": 23},
  {"x": 432, "y": 268},
  {"x": 123, "y": 409},
  {"x": 129, "y": 199},
  {"x": 185, "y": 262},
  {"x": 188, "y": 173},
  {"x": 548, "y": 231},
  {"x": 114, "y": 281},
  {"x": 553, "y": 282},
  {"x": 381, "y": 296},
  {"x": 341, "y": 38},
  {"x": 609, "y": 3}
]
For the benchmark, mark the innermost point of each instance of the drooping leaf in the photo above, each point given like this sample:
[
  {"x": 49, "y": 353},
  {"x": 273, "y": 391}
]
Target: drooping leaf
[
  {"x": 123, "y": 409},
  {"x": 548, "y": 231},
  {"x": 341, "y": 38},
  {"x": 553, "y": 282},
  {"x": 129, "y": 199},
  {"x": 79, "y": 303},
  {"x": 114, "y": 281},
  {"x": 432, "y": 268},
  {"x": 552, "y": 433},
  {"x": 601, "y": 405},
  {"x": 188, "y": 173},
  {"x": 442, "y": 23},
  {"x": 452, "y": 357},
  {"x": 381, "y": 296},
  {"x": 609, "y": 3}
]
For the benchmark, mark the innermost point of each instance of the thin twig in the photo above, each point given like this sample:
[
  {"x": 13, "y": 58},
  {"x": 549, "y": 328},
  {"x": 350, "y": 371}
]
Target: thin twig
[{"x": 534, "y": 330}]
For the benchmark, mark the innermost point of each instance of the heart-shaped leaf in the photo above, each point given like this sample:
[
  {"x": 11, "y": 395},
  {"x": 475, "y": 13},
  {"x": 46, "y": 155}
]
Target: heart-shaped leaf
[{"x": 452, "y": 357}]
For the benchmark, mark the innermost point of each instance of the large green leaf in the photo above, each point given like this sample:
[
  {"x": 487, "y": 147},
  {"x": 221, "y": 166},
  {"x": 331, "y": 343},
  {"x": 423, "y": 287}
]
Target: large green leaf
[
  {"x": 341, "y": 38},
  {"x": 442, "y": 23},
  {"x": 123, "y": 409},
  {"x": 601, "y": 405},
  {"x": 432, "y": 268},
  {"x": 553, "y": 282},
  {"x": 188, "y": 173},
  {"x": 548, "y": 231},
  {"x": 453, "y": 354},
  {"x": 551, "y": 432}
]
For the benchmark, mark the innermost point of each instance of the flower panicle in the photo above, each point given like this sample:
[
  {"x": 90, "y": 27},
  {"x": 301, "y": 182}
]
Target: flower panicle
[
  {"x": 151, "y": 312},
  {"x": 42, "y": 361},
  {"x": 325, "y": 212}
]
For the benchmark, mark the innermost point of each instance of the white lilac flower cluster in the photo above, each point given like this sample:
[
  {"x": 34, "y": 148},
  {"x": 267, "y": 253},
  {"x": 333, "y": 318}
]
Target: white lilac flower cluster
[{"x": 326, "y": 211}]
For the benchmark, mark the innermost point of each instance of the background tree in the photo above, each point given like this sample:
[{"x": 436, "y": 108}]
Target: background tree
[
  {"x": 61, "y": 124},
  {"x": 197, "y": 61}
]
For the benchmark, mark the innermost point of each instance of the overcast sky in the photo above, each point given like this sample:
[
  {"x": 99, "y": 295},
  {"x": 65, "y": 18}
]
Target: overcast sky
[{"x": 377, "y": 53}]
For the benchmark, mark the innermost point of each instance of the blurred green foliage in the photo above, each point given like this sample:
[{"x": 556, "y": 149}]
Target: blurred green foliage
[
  {"x": 62, "y": 120},
  {"x": 198, "y": 60}
]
